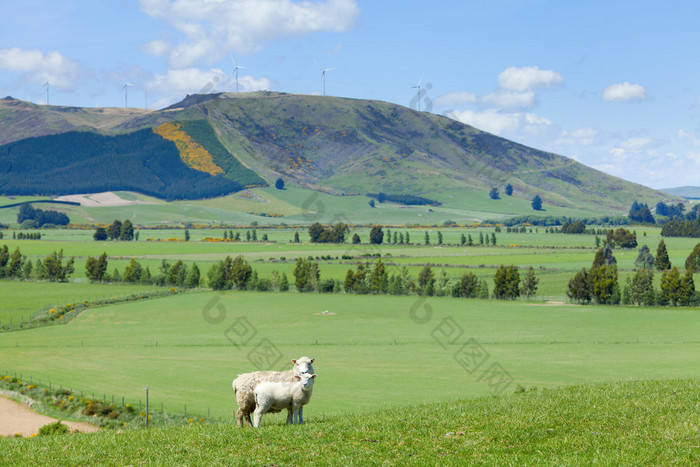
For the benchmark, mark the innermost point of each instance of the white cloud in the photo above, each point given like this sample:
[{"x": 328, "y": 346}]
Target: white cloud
[
  {"x": 501, "y": 123},
  {"x": 156, "y": 47},
  {"x": 455, "y": 99},
  {"x": 688, "y": 139},
  {"x": 636, "y": 143},
  {"x": 579, "y": 137},
  {"x": 622, "y": 92},
  {"x": 510, "y": 99},
  {"x": 215, "y": 28},
  {"x": 175, "y": 84},
  {"x": 39, "y": 67},
  {"x": 528, "y": 78}
]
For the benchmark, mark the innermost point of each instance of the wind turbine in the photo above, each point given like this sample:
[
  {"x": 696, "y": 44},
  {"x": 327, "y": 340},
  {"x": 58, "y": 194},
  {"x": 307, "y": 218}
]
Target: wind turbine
[
  {"x": 46, "y": 84},
  {"x": 125, "y": 88},
  {"x": 420, "y": 81},
  {"x": 235, "y": 70},
  {"x": 323, "y": 77}
]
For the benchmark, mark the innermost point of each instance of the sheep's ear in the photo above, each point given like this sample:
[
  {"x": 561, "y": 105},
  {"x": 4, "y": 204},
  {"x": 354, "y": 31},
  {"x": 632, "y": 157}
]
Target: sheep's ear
[
  {"x": 312, "y": 376},
  {"x": 312, "y": 360},
  {"x": 294, "y": 361},
  {"x": 298, "y": 378}
]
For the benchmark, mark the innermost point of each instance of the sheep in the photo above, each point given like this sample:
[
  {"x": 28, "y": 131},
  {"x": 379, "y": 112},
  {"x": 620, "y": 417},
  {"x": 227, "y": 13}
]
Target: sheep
[
  {"x": 245, "y": 384},
  {"x": 276, "y": 396}
]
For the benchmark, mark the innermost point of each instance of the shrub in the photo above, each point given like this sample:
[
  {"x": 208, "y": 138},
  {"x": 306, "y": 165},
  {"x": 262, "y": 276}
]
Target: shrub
[{"x": 56, "y": 428}]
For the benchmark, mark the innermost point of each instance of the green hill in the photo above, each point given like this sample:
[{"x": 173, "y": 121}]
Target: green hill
[
  {"x": 631, "y": 423},
  {"x": 348, "y": 146}
]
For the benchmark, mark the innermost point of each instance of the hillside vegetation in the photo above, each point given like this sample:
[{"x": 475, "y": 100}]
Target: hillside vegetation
[
  {"x": 84, "y": 162},
  {"x": 632, "y": 423},
  {"x": 335, "y": 145}
]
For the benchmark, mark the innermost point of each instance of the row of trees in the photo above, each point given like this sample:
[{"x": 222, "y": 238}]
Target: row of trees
[
  {"x": 177, "y": 274},
  {"x": 30, "y": 218},
  {"x": 681, "y": 228},
  {"x": 117, "y": 230},
  {"x": 18, "y": 266},
  {"x": 599, "y": 284}
]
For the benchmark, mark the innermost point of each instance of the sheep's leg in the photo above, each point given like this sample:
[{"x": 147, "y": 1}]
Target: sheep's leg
[
  {"x": 257, "y": 416},
  {"x": 301, "y": 415},
  {"x": 290, "y": 416},
  {"x": 247, "y": 418}
]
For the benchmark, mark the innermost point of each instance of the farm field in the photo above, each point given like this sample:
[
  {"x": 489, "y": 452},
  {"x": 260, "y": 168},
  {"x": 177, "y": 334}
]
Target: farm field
[{"x": 187, "y": 348}]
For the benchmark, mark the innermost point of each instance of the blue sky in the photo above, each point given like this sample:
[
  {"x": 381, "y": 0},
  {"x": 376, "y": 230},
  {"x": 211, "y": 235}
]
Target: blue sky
[{"x": 613, "y": 84}]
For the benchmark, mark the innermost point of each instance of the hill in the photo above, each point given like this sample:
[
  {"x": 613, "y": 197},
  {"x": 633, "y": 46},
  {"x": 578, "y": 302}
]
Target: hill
[
  {"x": 343, "y": 147},
  {"x": 630, "y": 423},
  {"x": 689, "y": 192}
]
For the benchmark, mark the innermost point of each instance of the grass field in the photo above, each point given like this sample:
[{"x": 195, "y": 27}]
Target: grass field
[
  {"x": 632, "y": 423},
  {"x": 299, "y": 205},
  {"x": 371, "y": 346}
]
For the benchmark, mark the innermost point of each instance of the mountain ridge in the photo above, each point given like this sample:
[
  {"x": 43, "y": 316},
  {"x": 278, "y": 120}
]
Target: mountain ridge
[{"x": 351, "y": 146}]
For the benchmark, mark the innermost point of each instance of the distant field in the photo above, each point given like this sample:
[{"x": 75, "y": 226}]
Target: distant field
[
  {"x": 302, "y": 206},
  {"x": 365, "y": 348},
  {"x": 556, "y": 257}
]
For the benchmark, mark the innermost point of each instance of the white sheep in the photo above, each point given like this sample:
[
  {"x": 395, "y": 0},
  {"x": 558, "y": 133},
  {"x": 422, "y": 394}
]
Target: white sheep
[
  {"x": 277, "y": 396},
  {"x": 245, "y": 384}
]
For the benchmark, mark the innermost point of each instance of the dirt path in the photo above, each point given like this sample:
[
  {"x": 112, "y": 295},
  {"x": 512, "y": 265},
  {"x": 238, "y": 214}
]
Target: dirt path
[{"x": 19, "y": 418}]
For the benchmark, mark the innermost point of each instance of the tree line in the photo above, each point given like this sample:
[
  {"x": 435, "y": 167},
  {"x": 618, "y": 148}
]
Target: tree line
[
  {"x": 31, "y": 218},
  {"x": 51, "y": 268},
  {"x": 117, "y": 230},
  {"x": 600, "y": 285}
]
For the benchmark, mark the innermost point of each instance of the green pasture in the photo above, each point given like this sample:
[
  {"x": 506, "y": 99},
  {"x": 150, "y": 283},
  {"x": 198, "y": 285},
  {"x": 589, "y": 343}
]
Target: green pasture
[
  {"x": 20, "y": 299},
  {"x": 556, "y": 257},
  {"x": 187, "y": 348},
  {"x": 628, "y": 423},
  {"x": 297, "y": 205}
]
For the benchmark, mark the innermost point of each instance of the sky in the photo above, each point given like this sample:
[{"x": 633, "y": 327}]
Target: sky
[{"x": 614, "y": 84}]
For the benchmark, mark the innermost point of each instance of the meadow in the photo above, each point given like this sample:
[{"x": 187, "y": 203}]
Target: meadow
[
  {"x": 378, "y": 357},
  {"x": 187, "y": 348}
]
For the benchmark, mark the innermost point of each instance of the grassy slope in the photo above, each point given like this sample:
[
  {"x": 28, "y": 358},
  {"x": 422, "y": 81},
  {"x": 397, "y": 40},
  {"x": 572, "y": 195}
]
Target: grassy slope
[
  {"x": 633, "y": 423},
  {"x": 372, "y": 342}
]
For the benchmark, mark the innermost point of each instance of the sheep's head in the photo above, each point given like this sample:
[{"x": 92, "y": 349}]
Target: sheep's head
[
  {"x": 306, "y": 379},
  {"x": 303, "y": 365}
]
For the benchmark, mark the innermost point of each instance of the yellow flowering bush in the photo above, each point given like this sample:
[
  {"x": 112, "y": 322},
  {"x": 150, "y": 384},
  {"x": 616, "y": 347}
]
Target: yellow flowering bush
[{"x": 192, "y": 153}]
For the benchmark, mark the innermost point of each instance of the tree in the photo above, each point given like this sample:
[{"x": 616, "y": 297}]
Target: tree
[
  {"x": 371, "y": 203},
  {"x": 463, "y": 240},
  {"x": 284, "y": 283},
  {"x": 126, "y": 232},
  {"x": 279, "y": 184},
  {"x": 692, "y": 263},
  {"x": 378, "y": 279},
  {"x": 493, "y": 238},
  {"x": 193, "y": 277},
  {"x": 537, "y": 203},
  {"x": 187, "y": 235},
  {"x": 639, "y": 212},
  {"x": 641, "y": 287},
  {"x": 604, "y": 283},
  {"x": 376, "y": 236},
  {"x": 661, "y": 208},
  {"x": 439, "y": 240},
  {"x": 493, "y": 194},
  {"x": 624, "y": 238},
  {"x": 306, "y": 275},
  {"x": 506, "y": 283},
  {"x": 296, "y": 237},
  {"x": 644, "y": 259},
  {"x": 240, "y": 272},
  {"x": 133, "y": 271},
  {"x": 670, "y": 285},
  {"x": 427, "y": 238},
  {"x": 14, "y": 267},
  {"x": 662, "y": 261},
  {"x": 426, "y": 281},
  {"x": 114, "y": 229},
  {"x": 355, "y": 239},
  {"x": 686, "y": 290},
  {"x": 100, "y": 234},
  {"x": 467, "y": 287},
  {"x": 509, "y": 190},
  {"x": 530, "y": 283}
]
